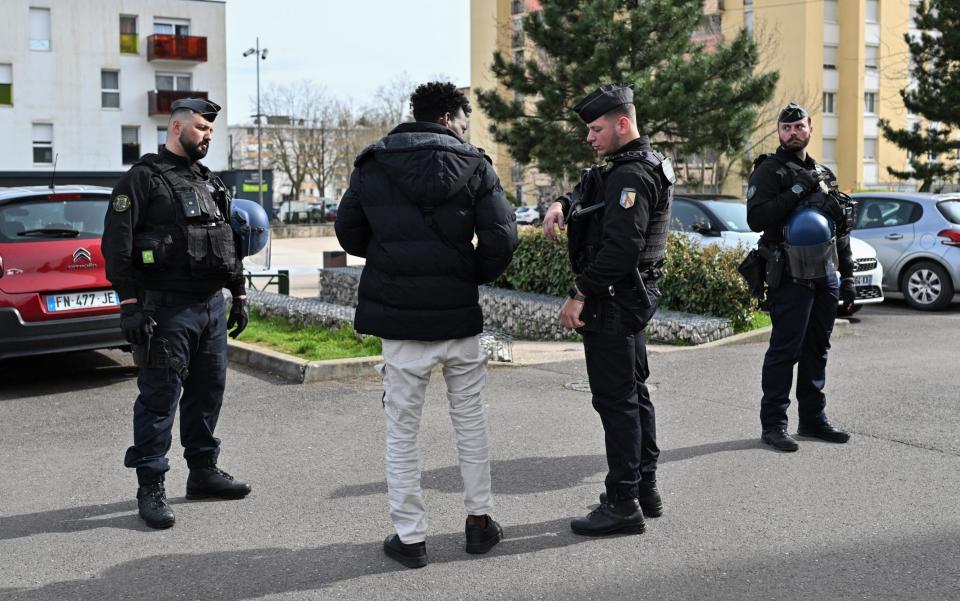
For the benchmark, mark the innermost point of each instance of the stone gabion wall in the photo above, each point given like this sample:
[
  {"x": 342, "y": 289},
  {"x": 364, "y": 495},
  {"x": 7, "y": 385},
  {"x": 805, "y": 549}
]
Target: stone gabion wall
[{"x": 535, "y": 316}]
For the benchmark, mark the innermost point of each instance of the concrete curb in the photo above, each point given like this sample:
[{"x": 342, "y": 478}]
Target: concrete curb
[
  {"x": 295, "y": 369},
  {"x": 841, "y": 327}
]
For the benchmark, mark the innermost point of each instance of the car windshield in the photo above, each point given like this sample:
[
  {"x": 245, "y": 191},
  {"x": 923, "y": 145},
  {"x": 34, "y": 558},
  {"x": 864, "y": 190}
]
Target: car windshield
[
  {"x": 950, "y": 210},
  {"x": 36, "y": 219},
  {"x": 732, "y": 214}
]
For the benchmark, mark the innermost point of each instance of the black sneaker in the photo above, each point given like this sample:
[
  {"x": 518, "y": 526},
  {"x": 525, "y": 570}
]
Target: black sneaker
[
  {"x": 780, "y": 440},
  {"x": 650, "y": 502},
  {"x": 623, "y": 517},
  {"x": 481, "y": 540},
  {"x": 412, "y": 556},
  {"x": 212, "y": 482},
  {"x": 823, "y": 431},
  {"x": 153, "y": 507}
]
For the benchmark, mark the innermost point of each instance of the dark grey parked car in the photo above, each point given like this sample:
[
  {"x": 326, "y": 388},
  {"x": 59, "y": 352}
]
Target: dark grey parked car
[{"x": 917, "y": 237}]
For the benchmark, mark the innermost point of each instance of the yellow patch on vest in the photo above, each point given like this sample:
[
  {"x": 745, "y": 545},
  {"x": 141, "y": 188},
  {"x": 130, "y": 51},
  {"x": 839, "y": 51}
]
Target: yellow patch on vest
[
  {"x": 628, "y": 197},
  {"x": 121, "y": 203}
]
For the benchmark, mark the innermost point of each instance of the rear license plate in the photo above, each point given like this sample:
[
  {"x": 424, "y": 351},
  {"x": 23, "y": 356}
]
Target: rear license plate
[
  {"x": 863, "y": 280},
  {"x": 82, "y": 300}
]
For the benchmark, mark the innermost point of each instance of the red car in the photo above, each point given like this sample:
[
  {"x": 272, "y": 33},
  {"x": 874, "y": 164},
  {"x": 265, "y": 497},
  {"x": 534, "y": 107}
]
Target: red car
[{"x": 54, "y": 293}]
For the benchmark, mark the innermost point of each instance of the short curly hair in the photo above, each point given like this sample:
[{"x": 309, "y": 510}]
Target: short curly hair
[{"x": 431, "y": 101}]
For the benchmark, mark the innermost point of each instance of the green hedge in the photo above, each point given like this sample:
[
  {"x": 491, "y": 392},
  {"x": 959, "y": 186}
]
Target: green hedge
[{"x": 701, "y": 280}]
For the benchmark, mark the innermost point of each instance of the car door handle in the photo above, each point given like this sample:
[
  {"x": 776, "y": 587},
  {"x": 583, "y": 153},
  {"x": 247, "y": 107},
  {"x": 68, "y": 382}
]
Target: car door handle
[{"x": 894, "y": 236}]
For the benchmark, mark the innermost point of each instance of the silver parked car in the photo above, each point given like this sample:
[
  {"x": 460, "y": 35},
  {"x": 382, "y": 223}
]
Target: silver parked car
[{"x": 917, "y": 237}]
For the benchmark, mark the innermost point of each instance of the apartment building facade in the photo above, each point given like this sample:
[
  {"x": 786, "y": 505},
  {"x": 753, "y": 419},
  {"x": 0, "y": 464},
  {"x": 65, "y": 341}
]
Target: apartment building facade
[
  {"x": 845, "y": 59},
  {"x": 89, "y": 84}
]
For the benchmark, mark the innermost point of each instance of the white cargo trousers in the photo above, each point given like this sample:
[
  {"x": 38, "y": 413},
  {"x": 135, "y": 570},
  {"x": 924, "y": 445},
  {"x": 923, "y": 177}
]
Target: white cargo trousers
[{"x": 406, "y": 373}]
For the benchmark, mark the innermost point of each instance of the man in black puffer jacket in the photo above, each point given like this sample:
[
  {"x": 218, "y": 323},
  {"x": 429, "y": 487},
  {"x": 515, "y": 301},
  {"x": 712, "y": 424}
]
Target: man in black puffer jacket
[{"x": 416, "y": 199}]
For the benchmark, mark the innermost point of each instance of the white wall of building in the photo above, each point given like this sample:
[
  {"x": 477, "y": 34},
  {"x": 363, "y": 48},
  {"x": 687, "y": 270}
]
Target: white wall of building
[{"x": 62, "y": 86}]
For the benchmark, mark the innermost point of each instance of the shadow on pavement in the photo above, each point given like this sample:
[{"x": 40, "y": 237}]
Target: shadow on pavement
[
  {"x": 255, "y": 573},
  {"x": 64, "y": 372},
  {"x": 528, "y": 475}
]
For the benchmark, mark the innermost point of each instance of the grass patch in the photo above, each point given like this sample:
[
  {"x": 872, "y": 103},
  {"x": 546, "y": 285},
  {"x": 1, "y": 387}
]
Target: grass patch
[
  {"x": 312, "y": 343},
  {"x": 758, "y": 320}
]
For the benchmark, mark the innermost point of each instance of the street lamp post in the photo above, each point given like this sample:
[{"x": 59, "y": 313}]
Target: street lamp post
[{"x": 261, "y": 55}]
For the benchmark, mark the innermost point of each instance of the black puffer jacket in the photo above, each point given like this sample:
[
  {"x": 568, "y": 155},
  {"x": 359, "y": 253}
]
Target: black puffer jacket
[{"x": 415, "y": 201}]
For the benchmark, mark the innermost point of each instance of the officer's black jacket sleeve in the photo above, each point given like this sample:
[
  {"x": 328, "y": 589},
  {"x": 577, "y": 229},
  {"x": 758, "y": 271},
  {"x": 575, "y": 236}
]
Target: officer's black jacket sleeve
[
  {"x": 845, "y": 254},
  {"x": 352, "y": 228},
  {"x": 624, "y": 230},
  {"x": 770, "y": 203},
  {"x": 496, "y": 225},
  {"x": 120, "y": 226}
]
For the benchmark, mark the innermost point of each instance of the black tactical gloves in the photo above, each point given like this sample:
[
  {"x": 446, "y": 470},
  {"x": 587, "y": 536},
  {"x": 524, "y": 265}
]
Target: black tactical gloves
[
  {"x": 809, "y": 180},
  {"x": 137, "y": 326},
  {"x": 238, "y": 318},
  {"x": 848, "y": 292}
]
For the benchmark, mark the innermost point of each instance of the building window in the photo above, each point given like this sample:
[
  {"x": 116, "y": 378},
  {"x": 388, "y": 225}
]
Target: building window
[
  {"x": 870, "y": 56},
  {"x": 518, "y": 57},
  {"x": 830, "y": 11},
  {"x": 873, "y": 11},
  {"x": 109, "y": 89},
  {"x": 161, "y": 136},
  {"x": 128, "y": 35},
  {"x": 43, "y": 143},
  {"x": 829, "y": 150},
  {"x": 829, "y": 57},
  {"x": 829, "y": 103},
  {"x": 130, "y": 141},
  {"x": 178, "y": 27},
  {"x": 6, "y": 84},
  {"x": 869, "y": 149},
  {"x": 516, "y": 7},
  {"x": 748, "y": 21},
  {"x": 870, "y": 103},
  {"x": 39, "y": 29},
  {"x": 173, "y": 81}
]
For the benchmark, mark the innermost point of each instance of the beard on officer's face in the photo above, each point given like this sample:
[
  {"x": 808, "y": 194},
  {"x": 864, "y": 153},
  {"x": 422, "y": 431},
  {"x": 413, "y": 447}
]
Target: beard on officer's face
[
  {"x": 196, "y": 150},
  {"x": 794, "y": 141}
]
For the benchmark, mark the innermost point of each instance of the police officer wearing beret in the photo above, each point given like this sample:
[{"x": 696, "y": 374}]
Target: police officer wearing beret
[
  {"x": 805, "y": 222},
  {"x": 169, "y": 251},
  {"x": 617, "y": 219}
]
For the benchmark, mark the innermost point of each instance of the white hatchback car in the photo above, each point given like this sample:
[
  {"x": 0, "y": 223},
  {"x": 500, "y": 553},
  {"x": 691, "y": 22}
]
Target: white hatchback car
[
  {"x": 527, "y": 216},
  {"x": 718, "y": 219}
]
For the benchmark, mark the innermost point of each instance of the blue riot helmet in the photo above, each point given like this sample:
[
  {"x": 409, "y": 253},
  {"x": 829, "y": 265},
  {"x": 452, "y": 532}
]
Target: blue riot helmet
[
  {"x": 250, "y": 224},
  {"x": 811, "y": 244}
]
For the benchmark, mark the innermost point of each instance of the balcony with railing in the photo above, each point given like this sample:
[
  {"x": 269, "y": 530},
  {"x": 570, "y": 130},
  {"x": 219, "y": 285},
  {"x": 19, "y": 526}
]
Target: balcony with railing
[
  {"x": 159, "y": 101},
  {"x": 162, "y": 47}
]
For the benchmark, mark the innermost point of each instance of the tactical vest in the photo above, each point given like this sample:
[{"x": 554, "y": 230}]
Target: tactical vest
[
  {"x": 199, "y": 243},
  {"x": 584, "y": 234}
]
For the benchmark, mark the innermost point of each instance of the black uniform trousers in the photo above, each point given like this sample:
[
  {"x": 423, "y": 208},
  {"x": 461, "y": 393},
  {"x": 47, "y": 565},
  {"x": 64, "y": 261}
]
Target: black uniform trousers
[
  {"x": 617, "y": 367},
  {"x": 802, "y": 313},
  {"x": 188, "y": 355}
]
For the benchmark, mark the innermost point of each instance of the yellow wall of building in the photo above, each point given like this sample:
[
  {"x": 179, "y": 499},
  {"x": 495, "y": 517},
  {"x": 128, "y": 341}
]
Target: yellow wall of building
[
  {"x": 894, "y": 62},
  {"x": 489, "y": 30}
]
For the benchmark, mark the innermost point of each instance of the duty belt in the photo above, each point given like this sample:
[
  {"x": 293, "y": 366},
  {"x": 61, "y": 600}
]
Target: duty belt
[{"x": 168, "y": 298}]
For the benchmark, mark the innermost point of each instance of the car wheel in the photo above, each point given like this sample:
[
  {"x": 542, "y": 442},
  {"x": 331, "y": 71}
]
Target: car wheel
[
  {"x": 927, "y": 286},
  {"x": 843, "y": 312}
]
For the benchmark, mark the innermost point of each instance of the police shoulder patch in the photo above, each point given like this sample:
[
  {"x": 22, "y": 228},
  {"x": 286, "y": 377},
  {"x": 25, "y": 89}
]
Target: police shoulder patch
[
  {"x": 628, "y": 197},
  {"x": 751, "y": 191},
  {"x": 121, "y": 202}
]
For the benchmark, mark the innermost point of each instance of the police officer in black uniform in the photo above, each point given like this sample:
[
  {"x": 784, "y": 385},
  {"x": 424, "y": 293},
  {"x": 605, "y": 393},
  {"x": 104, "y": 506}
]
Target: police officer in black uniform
[
  {"x": 788, "y": 191},
  {"x": 169, "y": 251},
  {"x": 617, "y": 218}
]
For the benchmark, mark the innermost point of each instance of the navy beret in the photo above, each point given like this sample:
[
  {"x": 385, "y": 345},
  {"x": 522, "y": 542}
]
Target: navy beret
[
  {"x": 792, "y": 112},
  {"x": 603, "y": 100},
  {"x": 203, "y": 106}
]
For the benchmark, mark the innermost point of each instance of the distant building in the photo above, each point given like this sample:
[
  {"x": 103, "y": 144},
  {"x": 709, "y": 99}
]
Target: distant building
[{"x": 91, "y": 83}]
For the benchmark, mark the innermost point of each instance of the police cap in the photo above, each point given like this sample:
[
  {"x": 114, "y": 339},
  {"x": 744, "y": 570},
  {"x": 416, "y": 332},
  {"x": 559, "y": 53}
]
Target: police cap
[
  {"x": 603, "y": 100},
  {"x": 203, "y": 106},
  {"x": 792, "y": 112}
]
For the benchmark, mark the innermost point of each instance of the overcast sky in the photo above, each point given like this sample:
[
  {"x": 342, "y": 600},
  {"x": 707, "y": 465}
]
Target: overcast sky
[{"x": 349, "y": 46}]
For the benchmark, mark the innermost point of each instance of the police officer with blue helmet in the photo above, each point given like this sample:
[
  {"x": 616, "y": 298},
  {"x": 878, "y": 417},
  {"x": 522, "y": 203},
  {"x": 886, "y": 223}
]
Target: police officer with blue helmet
[
  {"x": 806, "y": 223},
  {"x": 170, "y": 249}
]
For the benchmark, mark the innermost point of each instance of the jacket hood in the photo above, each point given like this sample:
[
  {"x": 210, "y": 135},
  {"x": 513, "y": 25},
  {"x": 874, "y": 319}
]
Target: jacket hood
[{"x": 426, "y": 161}]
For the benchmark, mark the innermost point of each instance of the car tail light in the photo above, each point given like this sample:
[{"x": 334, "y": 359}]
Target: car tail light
[
  {"x": 1, "y": 267},
  {"x": 63, "y": 196},
  {"x": 951, "y": 237}
]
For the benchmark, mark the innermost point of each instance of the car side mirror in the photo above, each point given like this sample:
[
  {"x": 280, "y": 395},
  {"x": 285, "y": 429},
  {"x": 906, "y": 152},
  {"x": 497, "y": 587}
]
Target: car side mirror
[{"x": 704, "y": 230}]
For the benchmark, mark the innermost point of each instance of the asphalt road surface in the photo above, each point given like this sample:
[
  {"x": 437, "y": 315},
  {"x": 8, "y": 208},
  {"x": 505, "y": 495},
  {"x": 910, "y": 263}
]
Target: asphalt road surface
[{"x": 878, "y": 518}]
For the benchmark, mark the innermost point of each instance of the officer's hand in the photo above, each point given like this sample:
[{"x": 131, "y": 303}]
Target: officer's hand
[
  {"x": 570, "y": 314},
  {"x": 809, "y": 180},
  {"x": 238, "y": 318},
  {"x": 848, "y": 293},
  {"x": 552, "y": 221},
  {"x": 137, "y": 326}
]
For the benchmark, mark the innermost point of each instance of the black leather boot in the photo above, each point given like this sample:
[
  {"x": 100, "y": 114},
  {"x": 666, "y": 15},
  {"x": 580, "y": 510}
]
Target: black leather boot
[
  {"x": 153, "y": 507},
  {"x": 650, "y": 502},
  {"x": 413, "y": 555},
  {"x": 212, "y": 482},
  {"x": 622, "y": 517},
  {"x": 823, "y": 431},
  {"x": 481, "y": 539},
  {"x": 780, "y": 440}
]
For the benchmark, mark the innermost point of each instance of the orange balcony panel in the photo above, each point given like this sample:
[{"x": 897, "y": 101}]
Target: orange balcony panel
[
  {"x": 177, "y": 48},
  {"x": 159, "y": 101}
]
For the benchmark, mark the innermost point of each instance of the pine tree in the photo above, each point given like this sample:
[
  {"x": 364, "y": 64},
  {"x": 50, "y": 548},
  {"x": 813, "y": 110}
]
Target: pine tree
[
  {"x": 935, "y": 69},
  {"x": 688, "y": 99}
]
